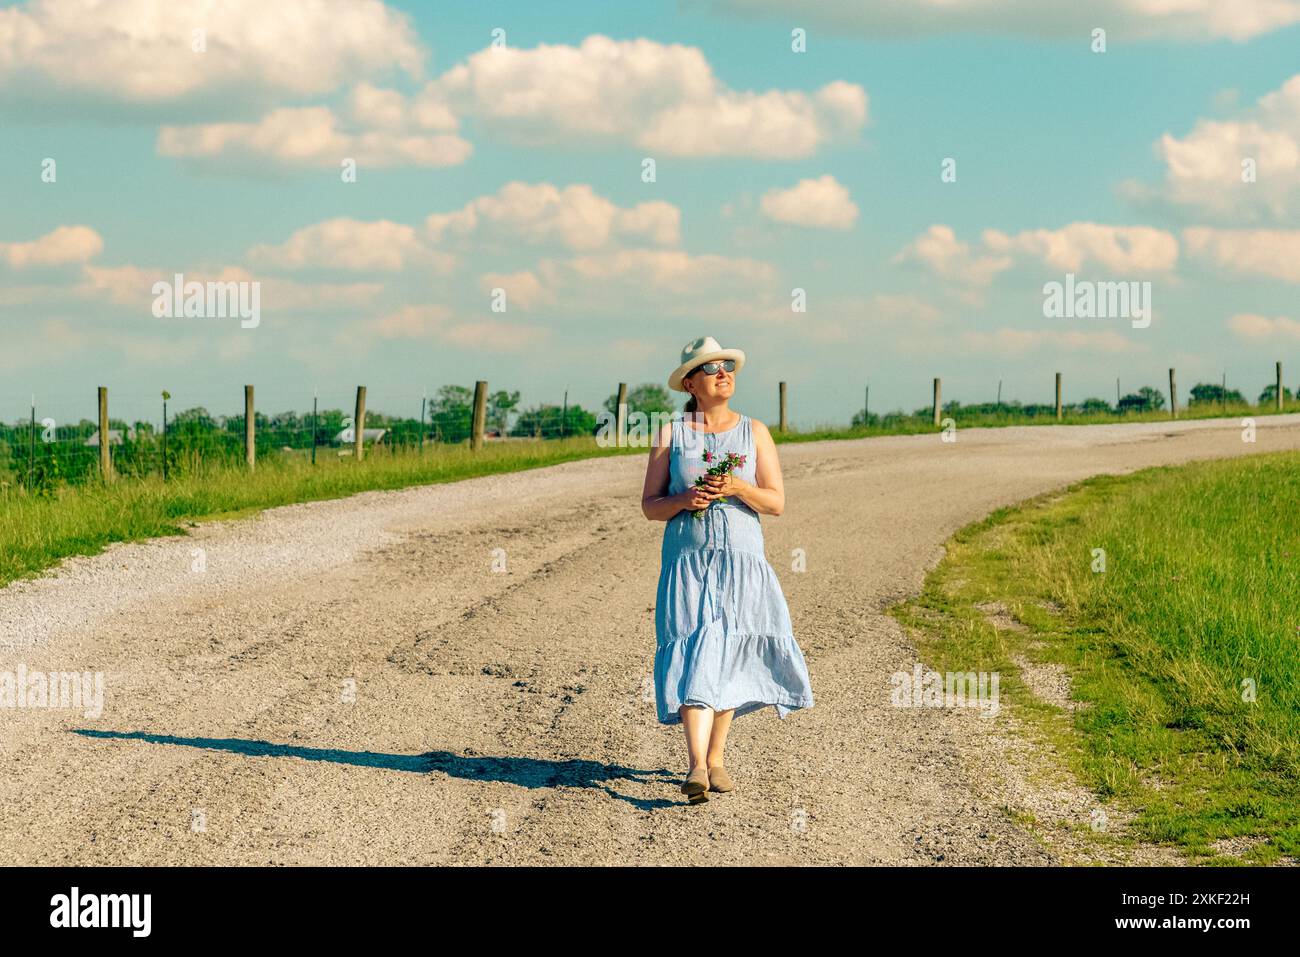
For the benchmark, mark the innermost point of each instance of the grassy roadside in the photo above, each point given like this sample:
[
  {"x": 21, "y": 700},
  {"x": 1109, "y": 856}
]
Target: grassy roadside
[
  {"x": 36, "y": 532},
  {"x": 1182, "y": 653}
]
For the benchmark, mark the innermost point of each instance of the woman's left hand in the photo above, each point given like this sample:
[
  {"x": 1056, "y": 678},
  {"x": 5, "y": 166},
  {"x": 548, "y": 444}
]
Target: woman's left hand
[{"x": 726, "y": 484}]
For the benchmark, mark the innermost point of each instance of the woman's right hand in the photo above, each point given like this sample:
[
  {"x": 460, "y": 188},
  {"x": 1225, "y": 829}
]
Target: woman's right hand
[{"x": 698, "y": 497}]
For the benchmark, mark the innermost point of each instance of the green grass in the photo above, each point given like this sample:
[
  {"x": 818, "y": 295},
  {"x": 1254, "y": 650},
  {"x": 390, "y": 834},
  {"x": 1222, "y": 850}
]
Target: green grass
[
  {"x": 902, "y": 424},
  {"x": 37, "y": 531},
  {"x": 1199, "y": 603}
]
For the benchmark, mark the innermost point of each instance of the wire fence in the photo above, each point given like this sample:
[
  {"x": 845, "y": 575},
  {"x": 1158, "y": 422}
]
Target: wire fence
[
  {"x": 40, "y": 452},
  {"x": 162, "y": 434}
]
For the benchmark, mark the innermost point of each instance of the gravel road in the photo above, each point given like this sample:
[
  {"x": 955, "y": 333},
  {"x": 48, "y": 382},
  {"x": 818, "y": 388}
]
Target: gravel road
[{"x": 460, "y": 674}]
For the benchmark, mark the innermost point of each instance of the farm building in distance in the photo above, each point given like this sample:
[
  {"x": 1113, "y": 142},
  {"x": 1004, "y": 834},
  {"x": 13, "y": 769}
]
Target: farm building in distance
[
  {"x": 368, "y": 437},
  {"x": 114, "y": 437}
]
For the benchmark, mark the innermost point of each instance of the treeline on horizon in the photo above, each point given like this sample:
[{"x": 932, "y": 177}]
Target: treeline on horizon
[
  {"x": 1145, "y": 399},
  {"x": 51, "y": 457}
]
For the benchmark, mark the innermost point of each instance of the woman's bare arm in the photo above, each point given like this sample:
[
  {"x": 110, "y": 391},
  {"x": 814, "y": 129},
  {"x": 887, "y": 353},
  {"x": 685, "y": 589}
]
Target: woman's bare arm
[{"x": 767, "y": 493}]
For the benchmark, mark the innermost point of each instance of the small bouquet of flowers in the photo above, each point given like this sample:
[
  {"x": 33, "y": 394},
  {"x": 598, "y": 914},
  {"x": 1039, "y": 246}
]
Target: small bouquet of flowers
[{"x": 730, "y": 462}]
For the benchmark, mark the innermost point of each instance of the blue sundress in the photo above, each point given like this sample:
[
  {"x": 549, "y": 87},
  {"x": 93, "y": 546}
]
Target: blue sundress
[{"x": 721, "y": 622}]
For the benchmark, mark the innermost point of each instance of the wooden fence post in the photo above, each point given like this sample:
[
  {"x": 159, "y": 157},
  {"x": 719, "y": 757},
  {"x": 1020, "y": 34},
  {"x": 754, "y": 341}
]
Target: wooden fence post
[
  {"x": 105, "y": 460},
  {"x": 938, "y": 402},
  {"x": 1058, "y": 397},
  {"x": 480, "y": 414},
  {"x": 1280, "y": 402},
  {"x": 359, "y": 425},
  {"x": 781, "y": 398},
  {"x": 166, "y": 395},
  {"x": 250, "y": 429},
  {"x": 1173, "y": 395},
  {"x": 620, "y": 416}
]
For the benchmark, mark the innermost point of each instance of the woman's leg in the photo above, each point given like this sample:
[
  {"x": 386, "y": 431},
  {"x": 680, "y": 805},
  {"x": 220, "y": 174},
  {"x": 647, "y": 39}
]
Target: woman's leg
[
  {"x": 698, "y": 721},
  {"x": 718, "y": 736}
]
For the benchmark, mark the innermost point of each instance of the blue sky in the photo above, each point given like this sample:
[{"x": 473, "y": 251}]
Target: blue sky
[{"x": 1058, "y": 151}]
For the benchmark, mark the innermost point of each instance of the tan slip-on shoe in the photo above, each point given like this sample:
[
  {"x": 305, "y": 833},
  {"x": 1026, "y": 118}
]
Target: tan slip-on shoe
[
  {"x": 719, "y": 779},
  {"x": 696, "y": 785}
]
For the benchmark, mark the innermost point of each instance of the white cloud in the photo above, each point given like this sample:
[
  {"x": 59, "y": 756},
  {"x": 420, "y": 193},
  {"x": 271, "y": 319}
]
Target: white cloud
[
  {"x": 519, "y": 214},
  {"x": 130, "y": 285},
  {"x": 375, "y": 108},
  {"x": 410, "y": 322},
  {"x": 122, "y": 285},
  {"x": 522, "y": 289},
  {"x": 496, "y": 335},
  {"x": 1272, "y": 253},
  {"x": 1125, "y": 249},
  {"x": 1123, "y": 19},
  {"x": 1074, "y": 247},
  {"x": 1204, "y": 169},
  {"x": 658, "y": 97},
  {"x": 659, "y": 282},
  {"x": 822, "y": 203},
  {"x": 939, "y": 249},
  {"x": 141, "y": 51},
  {"x": 663, "y": 98},
  {"x": 60, "y": 247},
  {"x": 574, "y": 216},
  {"x": 1258, "y": 328},
  {"x": 669, "y": 270},
  {"x": 312, "y": 137},
  {"x": 352, "y": 244}
]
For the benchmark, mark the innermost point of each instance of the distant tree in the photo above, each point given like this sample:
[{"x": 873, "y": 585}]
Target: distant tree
[
  {"x": 451, "y": 413},
  {"x": 1211, "y": 393},
  {"x": 1146, "y": 399},
  {"x": 286, "y": 429},
  {"x": 554, "y": 421},
  {"x": 1269, "y": 395},
  {"x": 286, "y": 422},
  {"x": 1035, "y": 409},
  {"x": 193, "y": 419},
  {"x": 648, "y": 398},
  {"x": 234, "y": 424},
  {"x": 1094, "y": 405},
  {"x": 499, "y": 406}
]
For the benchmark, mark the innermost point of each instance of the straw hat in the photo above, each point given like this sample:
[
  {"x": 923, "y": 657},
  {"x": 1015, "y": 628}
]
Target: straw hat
[{"x": 698, "y": 352}]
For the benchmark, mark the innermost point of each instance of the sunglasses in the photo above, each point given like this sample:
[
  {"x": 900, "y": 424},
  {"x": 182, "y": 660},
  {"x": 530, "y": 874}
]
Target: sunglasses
[{"x": 711, "y": 368}]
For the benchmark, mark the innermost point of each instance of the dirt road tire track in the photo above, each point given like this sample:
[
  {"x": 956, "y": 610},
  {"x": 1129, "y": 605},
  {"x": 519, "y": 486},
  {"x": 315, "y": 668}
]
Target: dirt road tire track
[{"x": 506, "y": 717}]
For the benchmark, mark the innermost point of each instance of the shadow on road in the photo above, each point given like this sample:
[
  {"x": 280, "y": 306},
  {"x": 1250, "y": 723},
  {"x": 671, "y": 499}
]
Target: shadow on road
[{"x": 524, "y": 772}]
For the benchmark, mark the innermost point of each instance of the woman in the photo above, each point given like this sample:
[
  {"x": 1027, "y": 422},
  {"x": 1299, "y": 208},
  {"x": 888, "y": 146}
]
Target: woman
[{"x": 725, "y": 646}]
